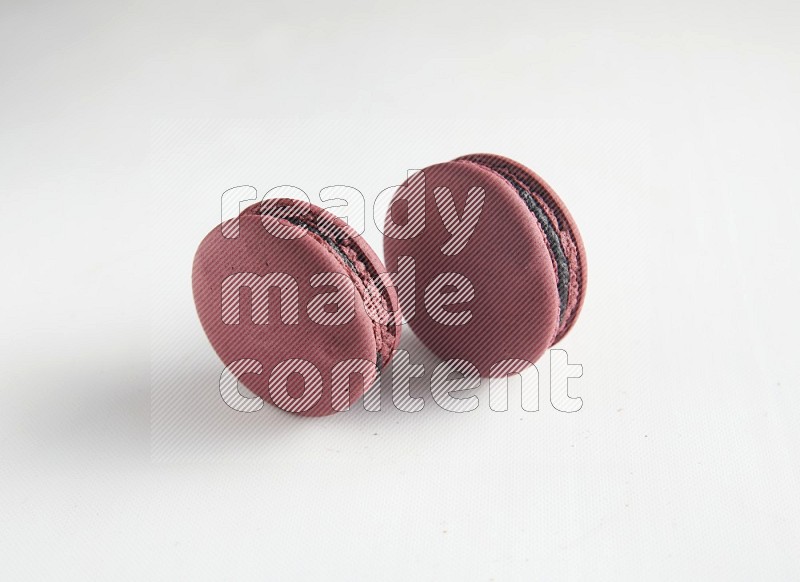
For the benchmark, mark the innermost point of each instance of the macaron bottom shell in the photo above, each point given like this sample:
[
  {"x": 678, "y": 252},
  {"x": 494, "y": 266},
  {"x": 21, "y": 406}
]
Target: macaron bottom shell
[
  {"x": 558, "y": 226},
  {"x": 294, "y": 358}
]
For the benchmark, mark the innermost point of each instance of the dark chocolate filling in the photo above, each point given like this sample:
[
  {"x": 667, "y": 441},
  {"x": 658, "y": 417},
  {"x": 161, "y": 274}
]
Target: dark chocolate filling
[
  {"x": 550, "y": 233},
  {"x": 331, "y": 242}
]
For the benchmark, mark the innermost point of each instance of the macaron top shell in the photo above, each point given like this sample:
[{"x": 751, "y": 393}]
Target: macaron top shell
[
  {"x": 291, "y": 330},
  {"x": 514, "y": 308},
  {"x": 560, "y": 219}
]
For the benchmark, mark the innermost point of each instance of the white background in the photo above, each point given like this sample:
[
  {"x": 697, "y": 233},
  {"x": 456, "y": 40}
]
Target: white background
[{"x": 671, "y": 132}]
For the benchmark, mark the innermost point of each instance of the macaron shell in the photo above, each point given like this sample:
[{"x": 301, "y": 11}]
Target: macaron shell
[
  {"x": 256, "y": 251},
  {"x": 514, "y": 312},
  {"x": 391, "y": 293},
  {"x": 364, "y": 250},
  {"x": 571, "y": 237}
]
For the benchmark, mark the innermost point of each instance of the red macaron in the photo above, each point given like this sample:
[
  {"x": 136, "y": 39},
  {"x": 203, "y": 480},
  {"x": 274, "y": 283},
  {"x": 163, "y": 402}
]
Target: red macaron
[
  {"x": 293, "y": 296},
  {"x": 499, "y": 264}
]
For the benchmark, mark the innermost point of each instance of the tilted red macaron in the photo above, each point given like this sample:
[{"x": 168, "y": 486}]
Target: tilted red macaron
[
  {"x": 499, "y": 264},
  {"x": 298, "y": 291}
]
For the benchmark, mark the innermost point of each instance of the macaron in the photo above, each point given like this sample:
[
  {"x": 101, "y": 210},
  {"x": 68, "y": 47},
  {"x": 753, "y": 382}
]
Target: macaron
[
  {"x": 294, "y": 299},
  {"x": 499, "y": 264}
]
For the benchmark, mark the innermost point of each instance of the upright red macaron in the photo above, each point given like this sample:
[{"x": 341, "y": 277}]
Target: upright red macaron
[
  {"x": 294, "y": 300},
  {"x": 498, "y": 262}
]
